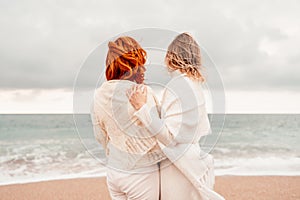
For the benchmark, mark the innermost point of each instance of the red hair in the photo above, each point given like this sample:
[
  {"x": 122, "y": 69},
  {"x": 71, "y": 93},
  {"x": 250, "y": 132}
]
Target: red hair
[{"x": 125, "y": 60}]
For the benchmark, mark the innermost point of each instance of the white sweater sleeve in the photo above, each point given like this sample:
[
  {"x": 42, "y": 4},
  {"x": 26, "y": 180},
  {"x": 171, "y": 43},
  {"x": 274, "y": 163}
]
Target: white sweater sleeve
[
  {"x": 154, "y": 124},
  {"x": 179, "y": 119}
]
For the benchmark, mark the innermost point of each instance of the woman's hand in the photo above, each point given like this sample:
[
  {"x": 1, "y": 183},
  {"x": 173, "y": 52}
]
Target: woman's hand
[{"x": 137, "y": 96}]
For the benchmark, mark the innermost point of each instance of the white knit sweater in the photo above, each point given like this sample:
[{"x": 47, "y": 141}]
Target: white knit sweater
[
  {"x": 183, "y": 122},
  {"x": 128, "y": 144}
]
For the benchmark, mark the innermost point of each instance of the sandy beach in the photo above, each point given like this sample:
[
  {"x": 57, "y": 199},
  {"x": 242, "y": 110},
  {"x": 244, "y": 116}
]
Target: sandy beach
[{"x": 231, "y": 187}]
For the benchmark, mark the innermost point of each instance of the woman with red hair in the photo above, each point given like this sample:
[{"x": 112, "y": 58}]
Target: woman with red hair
[{"x": 132, "y": 153}]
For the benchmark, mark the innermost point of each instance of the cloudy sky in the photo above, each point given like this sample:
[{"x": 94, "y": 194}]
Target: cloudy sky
[{"x": 255, "y": 45}]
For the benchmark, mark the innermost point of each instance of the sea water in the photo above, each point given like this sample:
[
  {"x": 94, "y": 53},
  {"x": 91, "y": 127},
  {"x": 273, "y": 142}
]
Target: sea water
[{"x": 38, "y": 147}]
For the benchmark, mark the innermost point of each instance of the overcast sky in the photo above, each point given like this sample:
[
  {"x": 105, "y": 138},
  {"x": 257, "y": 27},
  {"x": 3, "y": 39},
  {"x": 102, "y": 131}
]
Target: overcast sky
[{"x": 254, "y": 43}]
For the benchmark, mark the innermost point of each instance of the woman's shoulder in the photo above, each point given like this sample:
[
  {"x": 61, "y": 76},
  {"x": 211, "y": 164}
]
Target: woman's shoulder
[{"x": 187, "y": 91}]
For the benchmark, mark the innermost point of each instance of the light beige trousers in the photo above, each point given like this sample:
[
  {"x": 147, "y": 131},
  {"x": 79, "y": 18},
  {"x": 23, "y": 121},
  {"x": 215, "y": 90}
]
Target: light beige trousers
[
  {"x": 174, "y": 185},
  {"x": 142, "y": 185}
]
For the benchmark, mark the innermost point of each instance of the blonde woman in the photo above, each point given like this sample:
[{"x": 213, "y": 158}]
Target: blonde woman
[
  {"x": 132, "y": 153},
  {"x": 188, "y": 172}
]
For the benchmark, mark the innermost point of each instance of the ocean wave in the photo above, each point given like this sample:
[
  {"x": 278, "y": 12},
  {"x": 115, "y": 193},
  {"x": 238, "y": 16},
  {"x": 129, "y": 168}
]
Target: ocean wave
[
  {"x": 46, "y": 147},
  {"x": 258, "y": 166}
]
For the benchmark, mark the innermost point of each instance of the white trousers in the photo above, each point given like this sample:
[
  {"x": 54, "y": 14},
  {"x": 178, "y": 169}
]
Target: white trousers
[
  {"x": 134, "y": 186},
  {"x": 174, "y": 185}
]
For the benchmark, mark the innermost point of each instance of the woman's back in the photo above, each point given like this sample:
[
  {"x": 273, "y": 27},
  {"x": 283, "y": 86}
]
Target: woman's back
[
  {"x": 183, "y": 109},
  {"x": 129, "y": 144}
]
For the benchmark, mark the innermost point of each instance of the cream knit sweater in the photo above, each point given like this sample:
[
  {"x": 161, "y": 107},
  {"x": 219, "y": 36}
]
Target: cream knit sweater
[
  {"x": 128, "y": 144},
  {"x": 183, "y": 122}
]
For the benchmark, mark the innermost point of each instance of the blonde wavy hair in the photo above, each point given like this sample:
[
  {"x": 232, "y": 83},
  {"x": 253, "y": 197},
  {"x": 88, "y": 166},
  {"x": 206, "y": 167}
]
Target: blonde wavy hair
[{"x": 184, "y": 55}]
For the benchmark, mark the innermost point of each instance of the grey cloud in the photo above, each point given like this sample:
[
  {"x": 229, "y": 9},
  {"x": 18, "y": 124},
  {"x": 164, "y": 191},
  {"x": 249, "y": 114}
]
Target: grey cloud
[{"x": 44, "y": 43}]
